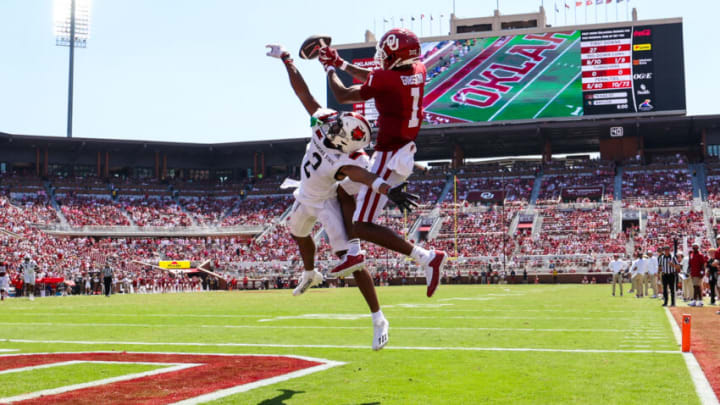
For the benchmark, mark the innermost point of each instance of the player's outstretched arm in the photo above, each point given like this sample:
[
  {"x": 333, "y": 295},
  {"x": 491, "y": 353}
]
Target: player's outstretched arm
[
  {"x": 343, "y": 95},
  {"x": 296, "y": 80},
  {"x": 404, "y": 200}
]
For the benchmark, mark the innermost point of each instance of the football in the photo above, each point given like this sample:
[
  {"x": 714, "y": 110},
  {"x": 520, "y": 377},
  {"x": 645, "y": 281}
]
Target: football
[{"x": 310, "y": 47}]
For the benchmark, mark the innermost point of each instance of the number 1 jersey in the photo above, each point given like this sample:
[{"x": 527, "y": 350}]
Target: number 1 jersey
[
  {"x": 398, "y": 98},
  {"x": 319, "y": 170}
]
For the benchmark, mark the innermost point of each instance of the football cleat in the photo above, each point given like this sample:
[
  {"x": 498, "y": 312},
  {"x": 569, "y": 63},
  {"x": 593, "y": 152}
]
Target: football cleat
[
  {"x": 380, "y": 334},
  {"x": 349, "y": 265},
  {"x": 308, "y": 282},
  {"x": 433, "y": 270}
]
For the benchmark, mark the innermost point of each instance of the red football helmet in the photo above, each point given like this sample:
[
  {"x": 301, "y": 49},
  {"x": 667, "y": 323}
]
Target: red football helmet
[{"x": 398, "y": 47}]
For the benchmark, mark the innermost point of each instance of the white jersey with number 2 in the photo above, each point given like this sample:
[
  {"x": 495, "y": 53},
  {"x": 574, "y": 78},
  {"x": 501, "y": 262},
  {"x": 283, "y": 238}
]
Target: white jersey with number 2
[{"x": 319, "y": 167}]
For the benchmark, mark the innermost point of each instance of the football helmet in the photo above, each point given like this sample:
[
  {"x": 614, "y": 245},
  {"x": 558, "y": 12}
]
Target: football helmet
[
  {"x": 345, "y": 131},
  {"x": 398, "y": 47}
]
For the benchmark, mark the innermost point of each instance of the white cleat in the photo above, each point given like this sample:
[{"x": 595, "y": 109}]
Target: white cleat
[
  {"x": 308, "y": 282},
  {"x": 380, "y": 334}
]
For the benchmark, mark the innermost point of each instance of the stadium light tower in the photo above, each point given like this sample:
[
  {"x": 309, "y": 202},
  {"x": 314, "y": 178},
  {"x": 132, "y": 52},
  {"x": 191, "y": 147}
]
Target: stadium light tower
[{"x": 72, "y": 28}]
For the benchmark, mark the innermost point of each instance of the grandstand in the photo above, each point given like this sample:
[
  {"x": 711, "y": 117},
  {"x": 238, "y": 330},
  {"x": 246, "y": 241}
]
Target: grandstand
[{"x": 186, "y": 201}]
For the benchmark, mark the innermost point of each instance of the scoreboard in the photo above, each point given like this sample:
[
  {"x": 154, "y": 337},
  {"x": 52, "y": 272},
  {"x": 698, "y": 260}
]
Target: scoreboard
[
  {"x": 619, "y": 70},
  {"x": 613, "y": 70}
]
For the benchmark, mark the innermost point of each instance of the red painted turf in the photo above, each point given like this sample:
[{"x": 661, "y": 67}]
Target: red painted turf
[{"x": 216, "y": 373}]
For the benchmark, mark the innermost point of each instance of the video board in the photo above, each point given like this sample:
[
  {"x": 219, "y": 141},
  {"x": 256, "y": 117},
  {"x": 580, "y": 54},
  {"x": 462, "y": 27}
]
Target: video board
[{"x": 562, "y": 74}]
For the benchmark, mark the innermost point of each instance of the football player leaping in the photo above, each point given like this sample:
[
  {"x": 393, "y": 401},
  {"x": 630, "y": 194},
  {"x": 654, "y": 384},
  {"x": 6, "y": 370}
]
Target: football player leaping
[
  {"x": 335, "y": 153},
  {"x": 397, "y": 87}
]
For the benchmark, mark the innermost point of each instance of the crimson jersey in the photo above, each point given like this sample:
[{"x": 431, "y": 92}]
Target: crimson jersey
[{"x": 398, "y": 98}]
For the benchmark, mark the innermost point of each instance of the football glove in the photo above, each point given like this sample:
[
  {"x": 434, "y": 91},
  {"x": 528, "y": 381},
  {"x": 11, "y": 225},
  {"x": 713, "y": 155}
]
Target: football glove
[
  {"x": 329, "y": 57},
  {"x": 277, "y": 51},
  {"x": 405, "y": 201}
]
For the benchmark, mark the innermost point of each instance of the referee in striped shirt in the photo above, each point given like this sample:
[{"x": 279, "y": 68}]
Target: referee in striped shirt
[{"x": 668, "y": 266}]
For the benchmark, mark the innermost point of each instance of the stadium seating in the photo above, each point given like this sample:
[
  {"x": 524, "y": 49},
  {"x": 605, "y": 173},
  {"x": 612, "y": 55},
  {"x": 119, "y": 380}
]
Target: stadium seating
[
  {"x": 657, "y": 185},
  {"x": 569, "y": 237}
]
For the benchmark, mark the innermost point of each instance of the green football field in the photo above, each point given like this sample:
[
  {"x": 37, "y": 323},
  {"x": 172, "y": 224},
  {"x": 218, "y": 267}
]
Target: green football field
[
  {"x": 553, "y": 88},
  {"x": 467, "y": 345}
]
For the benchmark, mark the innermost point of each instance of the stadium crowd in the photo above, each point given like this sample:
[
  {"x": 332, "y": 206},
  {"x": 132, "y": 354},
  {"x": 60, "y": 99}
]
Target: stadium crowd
[{"x": 560, "y": 237}]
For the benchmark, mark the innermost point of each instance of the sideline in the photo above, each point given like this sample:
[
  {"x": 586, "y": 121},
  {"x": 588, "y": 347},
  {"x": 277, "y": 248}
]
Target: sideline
[{"x": 702, "y": 385}]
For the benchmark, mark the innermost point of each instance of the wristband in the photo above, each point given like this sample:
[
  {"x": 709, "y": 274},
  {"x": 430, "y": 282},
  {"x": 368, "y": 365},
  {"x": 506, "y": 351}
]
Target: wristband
[
  {"x": 343, "y": 66},
  {"x": 329, "y": 69},
  {"x": 377, "y": 184}
]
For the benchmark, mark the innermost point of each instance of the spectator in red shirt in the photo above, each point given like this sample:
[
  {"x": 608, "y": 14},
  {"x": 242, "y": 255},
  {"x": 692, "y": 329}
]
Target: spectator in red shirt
[{"x": 697, "y": 267}]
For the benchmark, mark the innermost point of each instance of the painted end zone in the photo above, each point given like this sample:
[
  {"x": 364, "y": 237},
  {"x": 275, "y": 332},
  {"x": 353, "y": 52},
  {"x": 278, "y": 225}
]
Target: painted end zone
[{"x": 207, "y": 377}]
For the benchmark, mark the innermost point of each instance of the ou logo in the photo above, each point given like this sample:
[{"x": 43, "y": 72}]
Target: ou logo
[
  {"x": 392, "y": 42},
  {"x": 487, "y": 195}
]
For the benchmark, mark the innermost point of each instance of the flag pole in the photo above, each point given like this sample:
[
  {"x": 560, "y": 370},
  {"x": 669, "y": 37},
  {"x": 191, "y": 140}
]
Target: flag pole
[
  {"x": 627, "y": 9},
  {"x": 596, "y": 17},
  {"x": 575, "y": 12}
]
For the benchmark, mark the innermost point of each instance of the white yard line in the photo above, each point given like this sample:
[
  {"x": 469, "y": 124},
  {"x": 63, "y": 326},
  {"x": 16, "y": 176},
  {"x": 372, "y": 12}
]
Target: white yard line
[
  {"x": 532, "y": 81},
  {"x": 272, "y": 345},
  {"x": 9, "y": 350},
  {"x": 702, "y": 385},
  {"x": 641, "y": 335},
  {"x": 66, "y": 388},
  {"x": 71, "y": 362},
  {"x": 81, "y": 314},
  {"x": 556, "y": 95}
]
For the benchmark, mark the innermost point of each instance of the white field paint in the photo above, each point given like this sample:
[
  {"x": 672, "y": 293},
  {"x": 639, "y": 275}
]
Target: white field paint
[
  {"x": 334, "y": 317},
  {"x": 702, "y": 385},
  {"x": 631, "y": 336},
  {"x": 417, "y": 306},
  {"x": 271, "y": 345}
]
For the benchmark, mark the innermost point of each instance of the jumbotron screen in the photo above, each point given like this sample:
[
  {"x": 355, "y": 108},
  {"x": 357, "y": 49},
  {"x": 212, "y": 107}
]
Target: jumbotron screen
[{"x": 562, "y": 74}]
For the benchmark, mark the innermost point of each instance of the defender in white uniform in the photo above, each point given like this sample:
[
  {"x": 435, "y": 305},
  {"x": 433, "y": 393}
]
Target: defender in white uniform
[
  {"x": 28, "y": 269},
  {"x": 320, "y": 170},
  {"x": 334, "y": 153}
]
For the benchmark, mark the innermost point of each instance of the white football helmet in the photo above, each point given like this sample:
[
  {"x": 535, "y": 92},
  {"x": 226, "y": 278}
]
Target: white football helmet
[{"x": 348, "y": 131}]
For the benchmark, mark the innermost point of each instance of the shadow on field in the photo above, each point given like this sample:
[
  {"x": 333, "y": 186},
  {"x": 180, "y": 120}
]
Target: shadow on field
[{"x": 280, "y": 399}]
